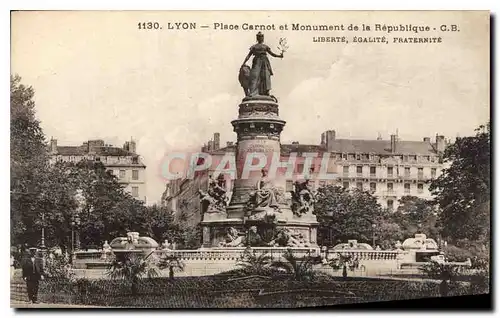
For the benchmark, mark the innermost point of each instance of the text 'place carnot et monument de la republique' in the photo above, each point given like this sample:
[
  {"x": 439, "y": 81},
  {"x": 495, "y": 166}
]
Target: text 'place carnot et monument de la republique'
[{"x": 261, "y": 212}]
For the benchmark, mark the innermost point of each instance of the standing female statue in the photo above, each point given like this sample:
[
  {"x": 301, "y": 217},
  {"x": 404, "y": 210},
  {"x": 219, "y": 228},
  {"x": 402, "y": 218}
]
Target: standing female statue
[{"x": 257, "y": 81}]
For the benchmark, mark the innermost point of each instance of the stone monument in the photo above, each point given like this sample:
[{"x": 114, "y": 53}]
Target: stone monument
[{"x": 261, "y": 212}]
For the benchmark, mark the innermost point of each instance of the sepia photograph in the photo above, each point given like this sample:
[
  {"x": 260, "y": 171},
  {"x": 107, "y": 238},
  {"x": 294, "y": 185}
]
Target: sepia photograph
[{"x": 250, "y": 159}]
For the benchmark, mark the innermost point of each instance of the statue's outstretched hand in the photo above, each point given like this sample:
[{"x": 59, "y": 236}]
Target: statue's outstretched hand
[{"x": 281, "y": 55}]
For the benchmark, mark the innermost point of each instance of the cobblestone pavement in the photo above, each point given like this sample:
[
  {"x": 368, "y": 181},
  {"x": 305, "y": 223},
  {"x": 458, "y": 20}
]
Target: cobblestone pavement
[{"x": 23, "y": 304}]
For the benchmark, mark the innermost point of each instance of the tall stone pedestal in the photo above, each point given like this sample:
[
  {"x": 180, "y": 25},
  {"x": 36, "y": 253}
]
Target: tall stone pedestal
[{"x": 258, "y": 128}]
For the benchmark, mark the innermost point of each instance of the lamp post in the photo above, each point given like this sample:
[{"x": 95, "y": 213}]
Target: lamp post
[
  {"x": 373, "y": 234},
  {"x": 42, "y": 240},
  {"x": 75, "y": 223}
]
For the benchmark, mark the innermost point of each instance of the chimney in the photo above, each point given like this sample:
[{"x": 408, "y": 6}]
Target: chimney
[
  {"x": 379, "y": 136},
  {"x": 329, "y": 138},
  {"x": 440, "y": 143},
  {"x": 427, "y": 139},
  {"x": 132, "y": 147},
  {"x": 94, "y": 144},
  {"x": 394, "y": 142},
  {"x": 216, "y": 141},
  {"x": 323, "y": 139},
  {"x": 53, "y": 146},
  {"x": 210, "y": 145}
]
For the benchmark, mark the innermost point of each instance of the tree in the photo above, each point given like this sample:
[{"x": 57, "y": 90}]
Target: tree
[
  {"x": 131, "y": 268},
  {"x": 463, "y": 190},
  {"x": 28, "y": 163},
  {"x": 109, "y": 211},
  {"x": 346, "y": 214},
  {"x": 416, "y": 215},
  {"x": 159, "y": 224}
]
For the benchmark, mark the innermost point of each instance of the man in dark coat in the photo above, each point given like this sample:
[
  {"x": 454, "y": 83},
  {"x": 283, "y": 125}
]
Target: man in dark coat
[{"x": 33, "y": 272}]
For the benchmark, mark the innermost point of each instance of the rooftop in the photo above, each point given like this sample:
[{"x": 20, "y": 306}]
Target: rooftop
[
  {"x": 100, "y": 151},
  {"x": 355, "y": 146}
]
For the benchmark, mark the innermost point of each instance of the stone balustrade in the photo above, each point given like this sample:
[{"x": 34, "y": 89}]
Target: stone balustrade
[
  {"x": 367, "y": 255},
  {"x": 232, "y": 254}
]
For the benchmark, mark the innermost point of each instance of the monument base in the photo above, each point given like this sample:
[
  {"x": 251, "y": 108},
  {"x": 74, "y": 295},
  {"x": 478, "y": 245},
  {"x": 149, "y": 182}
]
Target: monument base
[{"x": 216, "y": 233}]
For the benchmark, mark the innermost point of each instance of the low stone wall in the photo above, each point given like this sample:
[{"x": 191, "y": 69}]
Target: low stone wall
[{"x": 213, "y": 261}]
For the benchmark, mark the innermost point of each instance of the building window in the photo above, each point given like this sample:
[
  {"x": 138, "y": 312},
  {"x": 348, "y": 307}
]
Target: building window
[
  {"x": 135, "y": 174},
  {"x": 135, "y": 192},
  {"x": 405, "y": 158},
  {"x": 122, "y": 174},
  {"x": 359, "y": 185},
  {"x": 344, "y": 156},
  {"x": 135, "y": 160},
  {"x": 300, "y": 168},
  {"x": 390, "y": 187},
  {"x": 367, "y": 156},
  {"x": 407, "y": 171},
  {"x": 373, "y": 171},
  {"x": 359, "y": 170},
  {"x": 346, "y": 170},
  {"x": 420, "y": 188},
  {"x": 390, "y": 171},
  {"x": 433, "y": 172},
  {"x": 98, "y": 159},
  {"x": 373, "y": 186},
  {"x": 358, "y": 156},
  {"x": 428, "y": 158},
  {"x": 420, "y": 173},
  {"x": 346, "y": 185},
  {"x": 414, "y": 158},
  {"x": 289, "y": 185},
  {"x": 390, "y": 205},
  {"x": 407, "y": 188}
]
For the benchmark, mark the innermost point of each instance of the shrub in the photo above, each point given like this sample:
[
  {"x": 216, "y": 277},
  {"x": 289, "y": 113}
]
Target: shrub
[
  {"x": 58, "y": 267},
  {"x": 131, "y": 268},
  {"x": 252, "y": 263},
  {"x": 173, "y": 263},
  {"x": 299, "y": 268}
]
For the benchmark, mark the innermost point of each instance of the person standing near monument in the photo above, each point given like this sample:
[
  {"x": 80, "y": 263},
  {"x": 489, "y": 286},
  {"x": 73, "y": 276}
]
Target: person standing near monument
[{"x": 33, "y": 272}]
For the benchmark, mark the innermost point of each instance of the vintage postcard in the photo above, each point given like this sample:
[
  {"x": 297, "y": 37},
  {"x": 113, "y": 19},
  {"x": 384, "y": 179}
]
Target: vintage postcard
[{"x": 249, "y": 159}]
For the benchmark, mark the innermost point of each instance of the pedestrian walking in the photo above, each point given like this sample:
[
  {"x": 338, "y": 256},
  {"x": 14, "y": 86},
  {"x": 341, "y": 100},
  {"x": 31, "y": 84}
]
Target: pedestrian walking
[{"x": 33, "y": 272}]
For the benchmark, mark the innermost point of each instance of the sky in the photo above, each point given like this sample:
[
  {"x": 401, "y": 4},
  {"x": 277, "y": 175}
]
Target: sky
[{"x": 97, "y": 76}]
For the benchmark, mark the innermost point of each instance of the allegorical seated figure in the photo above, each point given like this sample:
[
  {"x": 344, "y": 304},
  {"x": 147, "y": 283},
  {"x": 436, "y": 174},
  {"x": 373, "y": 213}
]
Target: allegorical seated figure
[
  {"x": 303, "y": 198},
  {"x": 215, "y": 199},
  {"x": 285, "y": 237},
  {"x": 263, "y": 201},
  {"x": 253, "y": 238},
  {"x": 233, "y": 238}
]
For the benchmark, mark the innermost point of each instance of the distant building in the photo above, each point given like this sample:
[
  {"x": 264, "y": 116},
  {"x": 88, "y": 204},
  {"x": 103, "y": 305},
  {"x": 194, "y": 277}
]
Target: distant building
[
  {"x": 389, "y": 169},
  {"x": 123, "y": 162}
]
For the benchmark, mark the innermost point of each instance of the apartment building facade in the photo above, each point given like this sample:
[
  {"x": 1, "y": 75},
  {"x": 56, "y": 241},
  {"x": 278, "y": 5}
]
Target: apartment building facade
[
  {"x": 123, "y": 162},
  {"x": 389, "y": 169}
]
